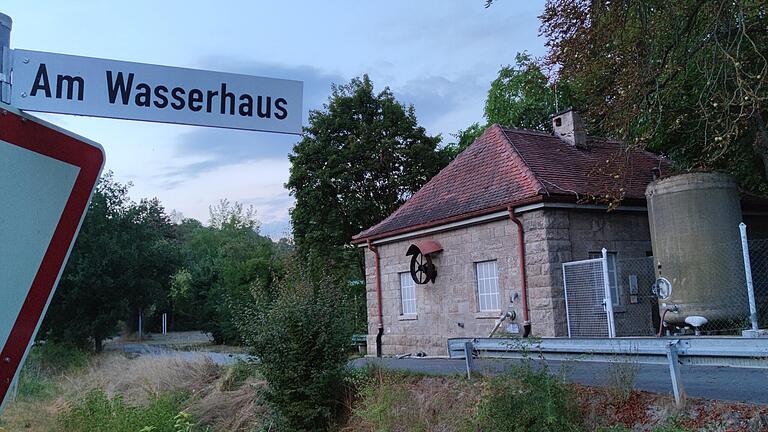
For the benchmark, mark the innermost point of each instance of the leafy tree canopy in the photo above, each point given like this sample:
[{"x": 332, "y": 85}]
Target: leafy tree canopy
[
  {"x": 362, "y": 155},
  {"x": 120, "y": 264},
  {"x": 688, "y": 78}
]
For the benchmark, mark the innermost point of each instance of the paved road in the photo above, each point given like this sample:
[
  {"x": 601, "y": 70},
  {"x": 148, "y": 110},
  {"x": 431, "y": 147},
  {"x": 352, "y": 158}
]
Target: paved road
[
  {"x": 156, "y": 350},
  {"x": 721, "y": 383}
]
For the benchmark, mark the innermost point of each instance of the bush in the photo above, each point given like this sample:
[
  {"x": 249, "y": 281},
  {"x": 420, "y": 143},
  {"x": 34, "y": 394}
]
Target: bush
[
  {"x": 96, "y": 412},
  {"x": 528, "y": 400},
  {"x": 300, "y": 335}
]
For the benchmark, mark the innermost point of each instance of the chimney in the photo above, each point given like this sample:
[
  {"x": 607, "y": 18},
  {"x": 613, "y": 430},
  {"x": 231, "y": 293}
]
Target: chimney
[{"x": 569, "y": 127}]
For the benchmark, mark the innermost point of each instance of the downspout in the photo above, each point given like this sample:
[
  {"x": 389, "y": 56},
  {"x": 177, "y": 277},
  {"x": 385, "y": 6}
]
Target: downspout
[
  {"x": 523, "y": 279},
  {"x": 375, "y": 251}
]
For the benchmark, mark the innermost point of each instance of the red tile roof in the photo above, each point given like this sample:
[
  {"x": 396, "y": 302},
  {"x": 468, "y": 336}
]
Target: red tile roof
[{"x": 506, "y": 167}]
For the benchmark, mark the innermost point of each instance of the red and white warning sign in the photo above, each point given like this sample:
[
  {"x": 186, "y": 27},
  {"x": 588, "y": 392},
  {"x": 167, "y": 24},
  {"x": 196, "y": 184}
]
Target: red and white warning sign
[{"x": 47, "y": 176}]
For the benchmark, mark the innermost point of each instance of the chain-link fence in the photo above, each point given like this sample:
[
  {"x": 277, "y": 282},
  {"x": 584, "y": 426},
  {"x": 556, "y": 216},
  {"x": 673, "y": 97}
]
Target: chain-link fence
[
  {"x": 758, "y": 257},
  {"x": 708, "y": 292},
  {"x": 635, "y": 307},
  {"x": 584, "y": 299}
]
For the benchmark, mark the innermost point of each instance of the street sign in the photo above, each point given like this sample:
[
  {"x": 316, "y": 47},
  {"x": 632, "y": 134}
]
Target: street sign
[
  {"x": 47, "y": 176},
  {"x": 66, "y": 84}
]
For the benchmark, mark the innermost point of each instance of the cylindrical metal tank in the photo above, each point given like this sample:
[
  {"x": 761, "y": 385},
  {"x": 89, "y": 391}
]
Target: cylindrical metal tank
[{"x": 694, "y": 220}]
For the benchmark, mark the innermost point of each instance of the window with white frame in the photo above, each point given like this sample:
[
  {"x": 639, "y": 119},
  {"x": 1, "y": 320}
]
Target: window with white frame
[
  {"x": 407, "y": 294},
  {"x": 487, "y": 286},
  {"x": 612, "y": 278}
]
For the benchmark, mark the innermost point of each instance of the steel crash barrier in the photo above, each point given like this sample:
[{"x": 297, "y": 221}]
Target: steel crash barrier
[{"x": 673, "y": 352}]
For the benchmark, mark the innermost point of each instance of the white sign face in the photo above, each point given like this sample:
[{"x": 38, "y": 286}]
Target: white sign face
[
  {"x": 66, "y": 84},
  {"x": 27, "y": 225},
  {"x": 47, "y": 177}
]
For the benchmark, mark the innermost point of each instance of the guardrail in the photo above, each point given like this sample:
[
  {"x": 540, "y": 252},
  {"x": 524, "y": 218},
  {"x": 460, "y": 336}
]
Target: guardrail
[{"x": 709, "y": 351}]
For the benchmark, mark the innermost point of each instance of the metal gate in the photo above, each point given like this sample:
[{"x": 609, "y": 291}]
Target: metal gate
[{"x": 588, "y": 304}]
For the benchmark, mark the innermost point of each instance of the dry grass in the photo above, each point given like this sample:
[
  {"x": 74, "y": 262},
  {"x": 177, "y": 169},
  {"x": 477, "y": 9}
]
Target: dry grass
[
  {"x": 240, "y": 409},
  {"x": 137, "y": 380},
  {"x": 222, "y": 407},
  {"x": 421, "y": 403}
]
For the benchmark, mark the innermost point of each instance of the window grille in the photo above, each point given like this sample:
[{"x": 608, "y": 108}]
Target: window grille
[{"x": 487, "y": 286}]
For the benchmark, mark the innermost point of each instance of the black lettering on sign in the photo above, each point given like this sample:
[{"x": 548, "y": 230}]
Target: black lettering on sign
[
  {"x": 41, "y": 82},
  {"x": 281, "y": 113},
  {"x": 195, "y": 97},
  {"x": 246, "y": 105},
  {"x": 160, "y": 93},
  {"x": 227, "y": 99},
  {"x": 211, "y": 94},
  {"x": 69, "y": 81},
  {"x": 119, "y": 85},
  {"x": 264, "y": 113},
  {"x": 178, "y": 96},
  {"x": 143, "y": 94}
]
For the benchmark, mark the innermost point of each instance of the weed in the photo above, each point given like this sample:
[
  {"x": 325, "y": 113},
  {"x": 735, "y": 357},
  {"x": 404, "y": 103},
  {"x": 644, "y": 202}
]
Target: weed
[
  {"x": 528, "y": 400},
  {"x": 621, "y": 379}
]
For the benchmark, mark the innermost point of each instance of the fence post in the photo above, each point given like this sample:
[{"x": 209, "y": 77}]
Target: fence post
[
  {"x": 674, "y": 372},
  {"x": 608, "y": 297},
  {"x": 468, "y": 357},
  {"x": 748, "y": 274}
]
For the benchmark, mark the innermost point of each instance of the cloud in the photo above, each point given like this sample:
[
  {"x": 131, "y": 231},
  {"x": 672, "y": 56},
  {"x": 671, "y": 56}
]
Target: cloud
[
  {"x": 215, "y": 148},
  {"x": 445, "y": 105}
]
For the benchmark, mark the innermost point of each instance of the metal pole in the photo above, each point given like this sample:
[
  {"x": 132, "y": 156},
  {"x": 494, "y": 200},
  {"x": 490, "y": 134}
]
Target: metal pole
[
  {"x": 608, "y": 298},
  {"x": 468, "y": 358},
  {"x": 748, "y": 274},
  {"x": 674, "y": 371},
  {"x": 5, "y": 57}
]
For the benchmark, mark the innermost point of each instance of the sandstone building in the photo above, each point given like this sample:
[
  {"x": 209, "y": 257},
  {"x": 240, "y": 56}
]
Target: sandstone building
[{"x": 499, "y": 221}]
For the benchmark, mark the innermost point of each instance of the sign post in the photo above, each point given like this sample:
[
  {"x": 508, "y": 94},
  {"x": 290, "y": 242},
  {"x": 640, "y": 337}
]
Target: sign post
[
  {"x": 5, "y": 57},
  {"x": 47, "y": 177}
]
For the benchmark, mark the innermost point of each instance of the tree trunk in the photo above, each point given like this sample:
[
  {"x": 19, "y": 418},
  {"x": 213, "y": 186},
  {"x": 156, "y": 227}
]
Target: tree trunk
[{"x": 98, "y": 344}]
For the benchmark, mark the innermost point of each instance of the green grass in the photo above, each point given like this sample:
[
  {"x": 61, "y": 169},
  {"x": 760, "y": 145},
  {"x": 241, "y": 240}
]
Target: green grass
[
  {"x": 96, "y": 412},
  {"x": 45, "y": 363}
]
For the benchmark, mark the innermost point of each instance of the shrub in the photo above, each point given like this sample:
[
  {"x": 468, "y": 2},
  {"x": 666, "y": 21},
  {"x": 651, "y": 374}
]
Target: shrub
[
  {"x": 528, "y": 400},
  {"x": 96, "y": 412},
  {"x": 300, "y": 336}
]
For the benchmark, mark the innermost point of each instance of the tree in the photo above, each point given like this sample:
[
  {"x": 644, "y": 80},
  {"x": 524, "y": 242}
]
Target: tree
[
  {"x": 688, "y": 78},
  {"x": 521, "y": 97},
  {"x": 361, "y": 157},
  {"x": 121, "y": 264},
  {"x": 223, "y": 263}
]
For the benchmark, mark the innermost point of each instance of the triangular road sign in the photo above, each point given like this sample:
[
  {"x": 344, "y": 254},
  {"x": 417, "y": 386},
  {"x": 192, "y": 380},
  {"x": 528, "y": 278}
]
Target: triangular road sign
[{"x": 47, "y": 176}]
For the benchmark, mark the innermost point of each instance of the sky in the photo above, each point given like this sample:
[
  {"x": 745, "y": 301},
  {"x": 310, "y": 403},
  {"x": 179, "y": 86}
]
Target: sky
[{"x": 440, "y": 56}]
